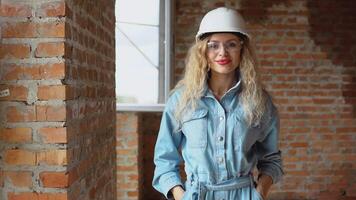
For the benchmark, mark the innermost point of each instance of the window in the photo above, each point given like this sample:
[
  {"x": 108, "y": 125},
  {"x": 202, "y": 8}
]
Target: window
[{"x": 143, "y": 54}]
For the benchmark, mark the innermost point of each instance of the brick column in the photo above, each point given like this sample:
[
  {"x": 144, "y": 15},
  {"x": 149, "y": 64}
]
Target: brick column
[
  {"x": 129, "y": 160},
  {"x": 57, "y": 120}
]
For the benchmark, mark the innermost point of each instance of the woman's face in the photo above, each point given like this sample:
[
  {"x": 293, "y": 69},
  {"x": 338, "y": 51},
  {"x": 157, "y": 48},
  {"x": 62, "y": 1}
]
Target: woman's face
[{"x": 223, "y": 53}]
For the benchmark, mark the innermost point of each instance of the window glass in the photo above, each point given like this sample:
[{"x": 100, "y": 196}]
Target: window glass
[{"x": 137, "y": 51}]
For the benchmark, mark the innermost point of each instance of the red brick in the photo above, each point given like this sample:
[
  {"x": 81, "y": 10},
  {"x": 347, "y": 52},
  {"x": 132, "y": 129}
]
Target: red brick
[
  {"x": 33, "y": 30},
  {"x": 53, "y": 135},
  {"x": 323, "y": 101},
  {"x": 21, "y": 114},
  {"x": 19, "y": 30},
  {"x": 128, "y": 186},
  {"x": 53, "y": 30},
  {"x": 37, "y": 196},
  {"x": 335, "y": 157},
  {"x": 346, "y": 130},
  {"x": 16, "y": 72},
  {"x": 73, "y": 176},
  {"x": 54, "y": 179},
  {"x": 33, "y": 72},
  {"x": 36, "y": 113},
  {"x": 132, "y": 168},
  {"x": 133, "y": 177},
  {"x": 276, "y": 71},
  {"x": 17, "y": 51},
  {"x": 292, "y": 41},
  {"x": 310, "y": 56},
  {"x": 274, "y": 56},
  {"x": 53, "y": 71},
  {"x": 19, "y": 178},
  {"x": 92, "y": 193},
  {"x": 20, "y": 157},
  {"x": 51, "y": 113},
  {"x": 52, "y": 92},
  {"x": 127, "y": 151},
  {"x": 16, "y": 9},
  {"x": 132, "y": 194},
  {"x": 299, "y": 130},
  {"x": 45, "y": 50},
  {"x": 287, "y": 27},
  {"x": 299, "y": 144},
  {"x": 51, "y": 9},
  {"x": 17, "y": 93},
  {"x": 16, "y": 135},
  {"x": 2, "y": 178},
  {"x": 266, "y": 41},
  {"x": 52, "y": 157}
]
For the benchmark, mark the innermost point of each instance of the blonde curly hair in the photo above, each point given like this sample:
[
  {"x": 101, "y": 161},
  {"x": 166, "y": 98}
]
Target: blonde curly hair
[{"x": 252, "y": 95}]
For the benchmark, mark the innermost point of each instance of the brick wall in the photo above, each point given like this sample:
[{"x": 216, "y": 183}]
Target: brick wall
[
  {"x": 136, "y": 135},
  {"x": 90, "y": 54},
  {"x": 307, "y": 53},
  {"x": 129, "y": 156},
  {"x": 57, "y": 125},
  {"x": 150, "y": 123}
]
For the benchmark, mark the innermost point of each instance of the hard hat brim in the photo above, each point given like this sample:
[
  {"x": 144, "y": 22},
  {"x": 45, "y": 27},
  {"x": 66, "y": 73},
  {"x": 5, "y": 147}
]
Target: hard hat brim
[{"x": 202, "y": 33}]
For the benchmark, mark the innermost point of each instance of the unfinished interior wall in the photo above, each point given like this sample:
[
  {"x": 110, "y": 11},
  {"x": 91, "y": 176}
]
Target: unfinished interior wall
[
  {"x": 129, "y": 156},
  {"x": 307, "y": 54},
  {"x": 90, "y": 61},
  {"x": 57, "y": 123}
]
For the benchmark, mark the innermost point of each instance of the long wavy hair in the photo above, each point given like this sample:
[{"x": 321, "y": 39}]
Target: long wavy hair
[{"x": 253, "y": 98}]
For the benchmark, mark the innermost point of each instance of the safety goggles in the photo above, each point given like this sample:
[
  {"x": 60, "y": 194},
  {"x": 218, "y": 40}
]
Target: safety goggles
[{"x": 230, "y": 46}]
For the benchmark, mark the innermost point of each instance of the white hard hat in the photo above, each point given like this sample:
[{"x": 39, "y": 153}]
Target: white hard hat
[{"x": 222, "y": 20}]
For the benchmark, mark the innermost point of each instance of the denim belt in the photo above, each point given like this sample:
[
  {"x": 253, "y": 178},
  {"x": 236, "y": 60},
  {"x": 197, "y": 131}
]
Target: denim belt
[{"x": 231, "y": 184}]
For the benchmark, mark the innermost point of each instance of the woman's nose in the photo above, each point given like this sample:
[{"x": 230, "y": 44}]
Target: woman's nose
[{"x": 222, "y": 50}]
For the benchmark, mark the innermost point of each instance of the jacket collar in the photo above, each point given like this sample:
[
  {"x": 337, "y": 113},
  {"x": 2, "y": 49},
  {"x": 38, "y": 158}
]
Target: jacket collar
[{"x": 233, "y": 90}]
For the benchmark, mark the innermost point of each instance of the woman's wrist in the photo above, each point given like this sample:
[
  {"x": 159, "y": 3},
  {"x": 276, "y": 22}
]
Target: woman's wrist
[
  {"x": 264, "y": 182},
  {"x": 177, "y": 192}
]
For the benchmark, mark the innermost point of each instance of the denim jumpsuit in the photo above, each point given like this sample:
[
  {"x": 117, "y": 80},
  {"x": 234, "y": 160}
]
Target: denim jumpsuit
[{"x": 218, "y": 149}]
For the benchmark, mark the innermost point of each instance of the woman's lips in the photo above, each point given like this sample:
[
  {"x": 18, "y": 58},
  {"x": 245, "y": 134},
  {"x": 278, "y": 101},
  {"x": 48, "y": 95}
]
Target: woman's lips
[{"x": 223, "y": 62}]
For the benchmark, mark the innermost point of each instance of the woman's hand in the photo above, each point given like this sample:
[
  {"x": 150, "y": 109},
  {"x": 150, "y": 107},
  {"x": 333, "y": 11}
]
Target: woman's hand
[
  {"x": 178, "y": 192},
  {"x": 264, "y": 183}
]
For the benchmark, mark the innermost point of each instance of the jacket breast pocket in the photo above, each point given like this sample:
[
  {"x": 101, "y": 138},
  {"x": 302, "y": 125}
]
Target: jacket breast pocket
[
  {"x": 239, "y": 131},
  {"x": 195, "y": 128},
  {"x": 244, "y": 137}
]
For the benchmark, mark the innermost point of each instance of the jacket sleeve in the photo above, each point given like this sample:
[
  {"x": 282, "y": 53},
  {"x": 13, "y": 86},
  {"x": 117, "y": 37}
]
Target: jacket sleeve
[
  {"x": 269, "y": 155},
  {"x": 166, "y": 154}
]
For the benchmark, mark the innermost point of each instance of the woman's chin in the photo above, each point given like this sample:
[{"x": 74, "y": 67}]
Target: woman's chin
[{"x": 224, "y": 70}]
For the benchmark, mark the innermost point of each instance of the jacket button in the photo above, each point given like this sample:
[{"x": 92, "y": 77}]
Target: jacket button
[
  {"x": 221, "y": 118},
  {"x": 221, "y": 138},
  {"x": 221, "y": 160}
]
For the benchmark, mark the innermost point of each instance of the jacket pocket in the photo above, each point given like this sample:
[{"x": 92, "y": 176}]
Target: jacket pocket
[
  {"x": 245, "y": 137},
  {"x": 195, "y": 128},
  {"x": 238, "y": 131}
]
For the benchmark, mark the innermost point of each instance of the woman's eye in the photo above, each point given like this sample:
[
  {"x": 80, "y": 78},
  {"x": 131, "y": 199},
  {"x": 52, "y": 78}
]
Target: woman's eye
[
  {"x": 213, "y": 46},
  {"x": 232, "y": 44}
]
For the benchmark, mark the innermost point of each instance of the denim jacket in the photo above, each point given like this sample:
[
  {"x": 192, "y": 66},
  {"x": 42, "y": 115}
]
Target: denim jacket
[{"x": 215, "y": 142}]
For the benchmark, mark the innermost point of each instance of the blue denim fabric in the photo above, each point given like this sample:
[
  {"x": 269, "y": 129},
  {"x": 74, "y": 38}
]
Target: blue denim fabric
[{"x": 216, "y": 146}]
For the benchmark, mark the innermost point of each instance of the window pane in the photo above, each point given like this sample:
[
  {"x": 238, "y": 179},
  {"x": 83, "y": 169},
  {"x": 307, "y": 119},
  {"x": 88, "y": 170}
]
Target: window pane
[
  {"x": 145, "y": 38},
  {"x": 138, "y": 11},
  {"x": 137, "y": 52}
]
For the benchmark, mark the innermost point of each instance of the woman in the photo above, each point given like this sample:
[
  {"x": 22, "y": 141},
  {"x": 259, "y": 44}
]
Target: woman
[{"x": 221, "y": 120}]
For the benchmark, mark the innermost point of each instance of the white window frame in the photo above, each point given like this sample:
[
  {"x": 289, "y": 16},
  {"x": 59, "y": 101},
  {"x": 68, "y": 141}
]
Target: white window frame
[{"x": 165, "y": 63}]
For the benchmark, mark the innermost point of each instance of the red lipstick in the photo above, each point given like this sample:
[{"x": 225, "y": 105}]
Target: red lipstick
[{"x": 223, "y": 61}]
